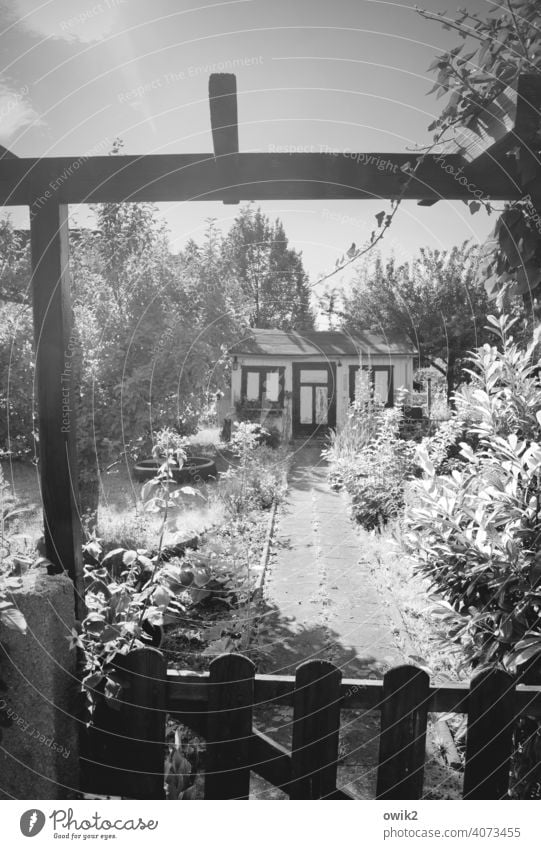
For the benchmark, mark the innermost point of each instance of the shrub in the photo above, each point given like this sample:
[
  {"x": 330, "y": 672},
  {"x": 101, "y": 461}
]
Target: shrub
[
  {"x": 346, "y": 443},
  {"x": 259, "y": 478},
  {"x": 476, "y": 531},
  {"x": 443, "y": 448},
  {"x": 369, "y": 458}
]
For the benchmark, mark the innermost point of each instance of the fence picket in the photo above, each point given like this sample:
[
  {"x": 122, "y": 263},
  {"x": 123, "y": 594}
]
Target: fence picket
[
  {"x": 491, "y": 711},
  {"x": 229, "y": 729},
  {"x": 142, "y": 723},
  {"x": 124, "y": 746},
  {"x": 402, "y": 744},
  {"x": 316, "y": 724}
]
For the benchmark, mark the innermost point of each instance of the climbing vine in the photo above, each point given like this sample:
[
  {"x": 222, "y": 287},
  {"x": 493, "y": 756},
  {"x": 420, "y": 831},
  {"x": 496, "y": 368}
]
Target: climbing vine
[{"x": 495, "y": 51}]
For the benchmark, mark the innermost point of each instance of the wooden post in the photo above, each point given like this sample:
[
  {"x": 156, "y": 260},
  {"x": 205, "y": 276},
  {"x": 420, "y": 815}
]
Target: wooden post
[
  {"x": 402, "y": 744},
  {"x": 316, "y": 724},
  {"x": 224, "y": 120},
  {"x": 491, "y": 714},
  {"x": 55, "y": 390},
  {"x": 230, "y": 704}
]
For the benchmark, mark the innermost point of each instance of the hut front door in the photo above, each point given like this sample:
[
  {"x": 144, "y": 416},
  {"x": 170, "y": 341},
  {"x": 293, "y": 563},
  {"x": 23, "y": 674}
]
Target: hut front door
[{"x": 314, "y": 397}]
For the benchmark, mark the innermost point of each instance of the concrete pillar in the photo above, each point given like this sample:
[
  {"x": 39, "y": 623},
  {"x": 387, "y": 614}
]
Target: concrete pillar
[{"x": 39, "y": 755}]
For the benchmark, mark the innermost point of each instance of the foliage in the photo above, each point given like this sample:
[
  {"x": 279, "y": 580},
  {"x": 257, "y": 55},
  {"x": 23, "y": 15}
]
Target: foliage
[
  {"x": 375, "y": 464},
  {"x": 477, "y": 530},
  {"x": 359, "y": 428},
  {"x": 12, "y": 565},
  {"x": 434, "y": 301},
  {"x": 132, "y": 594},
  {"x": 11, "y": 561},
  {"x": 268, "y": 276},
  {"x": 16, "y": 358},
  {"x": 495, "y": 50},
  {"x": 442, "y": 449},
  {"x": 259, "y": 477}
]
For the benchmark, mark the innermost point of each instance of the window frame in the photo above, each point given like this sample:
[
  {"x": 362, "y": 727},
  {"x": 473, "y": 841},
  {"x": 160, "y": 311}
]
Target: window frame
[
  {"x": 262, "y": 371},
  {"x": 372, "y": 369}
]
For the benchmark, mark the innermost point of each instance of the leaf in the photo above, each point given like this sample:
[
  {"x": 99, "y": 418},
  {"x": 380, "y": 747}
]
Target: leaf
[
  {"x": 201, "y": 575},
  {"x": 189, "y": 490},
  {"x": 145, "y": 561},
  {"x": 94, "y": 549},
  {"x": 12, "y": 583},
  {"x": 94, "y": 623},
  {"x": 475, "y": 206},
  {"x": 524, "y": 655},
  {"x": 225, "y": 644},
  {"x": 380, "y": 216},
  {"x": 112, "y": 553},
  {"x": 90, "y": 682},
  {"x": 13, "y": 619},
  {"x": 161, "y": 596},
  {"x": 129, "y": 557}
]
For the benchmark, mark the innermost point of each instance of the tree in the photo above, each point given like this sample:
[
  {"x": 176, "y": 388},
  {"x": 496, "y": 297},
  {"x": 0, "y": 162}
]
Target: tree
[
  {"x": 331, "y": 306},
  {"x": 495, "y": 50},
  {"x": 153, "y": 330},
  {"x": 16, "y": 355},
  {"x": 436, "y": 301},
  {"x": 268, "y": 275}
]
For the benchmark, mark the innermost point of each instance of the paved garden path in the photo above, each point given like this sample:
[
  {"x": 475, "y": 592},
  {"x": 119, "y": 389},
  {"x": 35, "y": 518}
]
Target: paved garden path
[{"x": 320, "y": 601}]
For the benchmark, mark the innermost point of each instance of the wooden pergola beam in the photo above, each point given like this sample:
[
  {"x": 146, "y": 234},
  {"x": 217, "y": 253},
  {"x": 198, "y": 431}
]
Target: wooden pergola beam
[
  {"x": 224, "y": 120},
  {"x": 246, "y": 176}
]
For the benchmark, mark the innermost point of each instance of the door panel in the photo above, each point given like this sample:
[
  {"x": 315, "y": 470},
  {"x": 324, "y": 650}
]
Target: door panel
[
  {"x": 306, "y": 405},
  {"x": 322, "y": 404},
  {"x": 381, "y": 385},
  {"x": 314, "y": 397},
  {"x": 314, "y": 376}
]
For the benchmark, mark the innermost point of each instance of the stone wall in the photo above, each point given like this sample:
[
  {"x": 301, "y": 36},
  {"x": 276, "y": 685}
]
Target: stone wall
[{"x": 39, "y": 755}]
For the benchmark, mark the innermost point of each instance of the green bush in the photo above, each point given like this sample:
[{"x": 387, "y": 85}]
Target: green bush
[
  {"x": 372, "y": 462},
  {"x": 361, "y": 425},
  {"x": 259, "y": 478},
  {"x": 476, "y": 531}
]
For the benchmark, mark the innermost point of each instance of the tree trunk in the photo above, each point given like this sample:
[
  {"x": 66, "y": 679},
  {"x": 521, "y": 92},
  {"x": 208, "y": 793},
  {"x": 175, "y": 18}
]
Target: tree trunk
[{"x": 450, "y": 375}]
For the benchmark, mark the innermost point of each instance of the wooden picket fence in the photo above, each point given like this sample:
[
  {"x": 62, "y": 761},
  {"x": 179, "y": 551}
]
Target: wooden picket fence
[{"x": 124, "y": 750}]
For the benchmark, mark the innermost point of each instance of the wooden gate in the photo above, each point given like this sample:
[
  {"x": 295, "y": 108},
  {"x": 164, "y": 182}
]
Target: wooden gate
[{"x": 124, "y": 752}]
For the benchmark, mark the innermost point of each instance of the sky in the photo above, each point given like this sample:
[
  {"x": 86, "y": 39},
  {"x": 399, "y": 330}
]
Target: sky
[{"x": 350, "y": 75}]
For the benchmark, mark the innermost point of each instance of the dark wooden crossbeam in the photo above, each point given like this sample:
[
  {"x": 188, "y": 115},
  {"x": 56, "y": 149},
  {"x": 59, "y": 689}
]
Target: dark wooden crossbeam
[{"x": 245, "y": 176}]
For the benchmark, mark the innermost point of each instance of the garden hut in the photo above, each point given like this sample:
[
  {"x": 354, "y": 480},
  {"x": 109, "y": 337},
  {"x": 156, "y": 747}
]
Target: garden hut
[{"x": 301, "y": 383}]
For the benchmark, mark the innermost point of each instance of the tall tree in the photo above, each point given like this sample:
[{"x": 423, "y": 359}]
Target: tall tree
[
  {"x": 436, "y": 301},
  {"x": 268, "y": 274}
]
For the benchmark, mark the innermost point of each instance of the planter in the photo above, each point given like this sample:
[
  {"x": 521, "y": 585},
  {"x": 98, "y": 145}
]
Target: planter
[{"x": 194, "y": 470}]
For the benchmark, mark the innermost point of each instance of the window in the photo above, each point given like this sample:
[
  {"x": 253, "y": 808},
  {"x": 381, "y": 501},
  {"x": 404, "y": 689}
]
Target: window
[
  {"x": 263, "y": 386},
  {"x": 382, "y": 381}
]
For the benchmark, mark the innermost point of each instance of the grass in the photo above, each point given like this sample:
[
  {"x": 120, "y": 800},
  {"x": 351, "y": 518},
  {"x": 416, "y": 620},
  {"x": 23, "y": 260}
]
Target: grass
[{"x": 121, "y": 515}]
